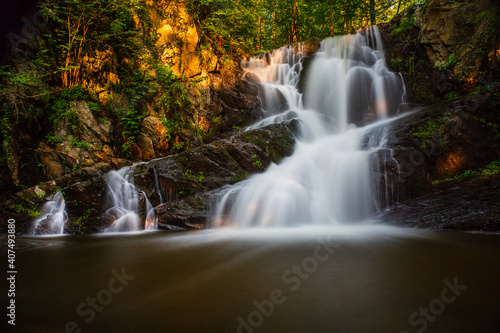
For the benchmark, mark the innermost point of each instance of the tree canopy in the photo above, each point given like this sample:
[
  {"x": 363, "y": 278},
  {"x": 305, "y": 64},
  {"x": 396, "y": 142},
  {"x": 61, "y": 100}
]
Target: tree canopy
[{"x": 257, "y": 25}]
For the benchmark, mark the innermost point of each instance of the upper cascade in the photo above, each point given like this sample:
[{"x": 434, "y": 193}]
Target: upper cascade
[
  {"x": 329, "y": 178},
  {"x": 347, "y": 83}
]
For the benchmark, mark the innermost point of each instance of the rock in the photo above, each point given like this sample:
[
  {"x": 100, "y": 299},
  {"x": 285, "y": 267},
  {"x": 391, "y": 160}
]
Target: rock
[
  {"x": 91, "y": 131},
  {"x": 177, "y": 39},
  {"x": 51, "y": 162},
  {"x": 213, "y": 165},
  {"x": 189, "y": 213},
  {"x": 146, "y": 151},
  {"x": 69, "y": 154},
  {"x": 435, "y": 143},
  {"x": 442, "y": 53},
  {"x": 154, "y": 129},
  {"x": 83, "y": 190},
  {"x": 240, "y": 105},
  {"x": 468, "y": 205},
  {"x": 118, "y": 163},
  {"x": 192, "y": 173}
]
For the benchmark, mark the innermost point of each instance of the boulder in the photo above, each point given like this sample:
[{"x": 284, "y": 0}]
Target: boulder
[
  {"x": 443, "y": 48},
  {"x": 467, "y": 205},
  {"x": 435, "y": 143}
]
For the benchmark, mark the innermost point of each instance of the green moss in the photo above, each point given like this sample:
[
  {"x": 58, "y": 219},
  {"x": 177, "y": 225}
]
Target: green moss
[
  {"x": 426, "y": 131},
  {"x": 82, "y": 222},
  {"x": 491, "y": 169},
  {"x": 396, "y": 62},
  {"x": 452, "y": 95},
  {"x": 257, "y": 162},
  {"x": 405, "y": 25},
  {"x": 239, "y": 177}
]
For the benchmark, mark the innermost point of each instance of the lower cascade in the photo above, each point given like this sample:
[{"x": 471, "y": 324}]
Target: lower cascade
[
  {"x": 123, "y": 200},
  {"x": 53, "y": 217},
  {"x": 330, "y": 178}
]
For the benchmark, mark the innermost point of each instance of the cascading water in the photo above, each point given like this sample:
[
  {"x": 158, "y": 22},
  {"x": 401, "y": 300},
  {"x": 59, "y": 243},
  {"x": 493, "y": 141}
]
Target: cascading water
[
  {"x": 123, "y": 200},
  {"x": 53, "y": 217},
  {"x": 328, "y": 179}
]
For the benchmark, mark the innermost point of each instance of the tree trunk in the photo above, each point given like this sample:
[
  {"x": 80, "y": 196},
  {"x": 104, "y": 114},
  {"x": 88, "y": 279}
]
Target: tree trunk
[
  {"x": 294, "y": 33},
  {"x": 373, "y": 13},
  {"x": 399, "y": 5},
  {"x": 332, "y": 20}
]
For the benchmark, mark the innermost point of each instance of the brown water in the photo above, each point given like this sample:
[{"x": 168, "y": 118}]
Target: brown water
[{"x": 360, "y": 279}]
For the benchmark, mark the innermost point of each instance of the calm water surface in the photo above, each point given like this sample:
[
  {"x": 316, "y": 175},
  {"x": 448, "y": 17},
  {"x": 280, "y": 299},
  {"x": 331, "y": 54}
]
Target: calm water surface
[{"x": 349, "y": 279}]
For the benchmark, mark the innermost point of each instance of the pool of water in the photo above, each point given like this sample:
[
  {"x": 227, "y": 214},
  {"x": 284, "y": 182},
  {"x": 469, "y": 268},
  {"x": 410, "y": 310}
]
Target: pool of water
[{"x": 344, "y": 279}]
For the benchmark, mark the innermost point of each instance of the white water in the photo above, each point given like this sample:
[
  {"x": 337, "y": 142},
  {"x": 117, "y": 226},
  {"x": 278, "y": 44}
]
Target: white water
[
  {"x": 53, "y": 217},
  {"x": 329, "y": 178},
  {"x": 123, "y": 202}
]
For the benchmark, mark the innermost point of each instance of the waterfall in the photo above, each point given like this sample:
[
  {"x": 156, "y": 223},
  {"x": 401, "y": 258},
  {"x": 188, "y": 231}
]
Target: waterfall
[
  {"x": 53, "y": 217},
  {"x": 329, "y": 178},
  {"x": 157, "y": 186},
  {"x": 123, "y": 200}
]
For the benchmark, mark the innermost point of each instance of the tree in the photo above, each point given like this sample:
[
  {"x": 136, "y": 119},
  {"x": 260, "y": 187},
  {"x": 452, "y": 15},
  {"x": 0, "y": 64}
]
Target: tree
[
  {"x": 83, "y": 27},
  {"x": 294, "y": 30}
]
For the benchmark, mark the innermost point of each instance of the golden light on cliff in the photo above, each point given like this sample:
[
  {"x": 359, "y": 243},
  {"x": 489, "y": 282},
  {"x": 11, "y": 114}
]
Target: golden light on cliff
[{"x": 451, "y": 164}]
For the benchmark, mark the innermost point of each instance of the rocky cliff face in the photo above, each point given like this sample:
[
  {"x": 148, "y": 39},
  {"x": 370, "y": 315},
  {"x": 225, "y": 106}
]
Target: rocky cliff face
[
  {"x": 443, "y": 48},
  {"x": 96, "y": 127},
  {"x": 182, "y": 180}
]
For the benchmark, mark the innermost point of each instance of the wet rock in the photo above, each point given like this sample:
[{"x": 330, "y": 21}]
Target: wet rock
[
  {"x": 92, "y": 132},
  {"x": 439, "y": 47},
  {"x": 146, "y": 151},
  {"x": 118, "y": 163},
  {"x": 83, "y": 190},
  {"x": 430, "y": 145},
  {"x": 53, "y": 168},
  {"x": 469, "y": 205},
  {"x": 213, "y": 165},
  {"x": 237, "y": 103},
  {"x": 187, "y": 214}
]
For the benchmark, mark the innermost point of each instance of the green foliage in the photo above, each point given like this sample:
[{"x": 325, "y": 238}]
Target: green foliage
[
  {"x": 83, "y": 29},
  {"x": 452, "y": 59},
  {"x": 491, "y": 169},
  {"x": 33, "y": 212},
  {"x": 29, "y": 208},
  {"x": 405, "y": 26},
  {"x": 426, "y": 131},
  {"x": 396, "y": 62},
  {"x": 257, "y": 162},
  {"x": 200, "y": 177},
  {"x": 167, "y": 92},
  {"x": 53, "y": 139},
  {"x": 82, "y": 222},
  {"x": 258, "y": 25},
  {"x": 452, "y": 95}
]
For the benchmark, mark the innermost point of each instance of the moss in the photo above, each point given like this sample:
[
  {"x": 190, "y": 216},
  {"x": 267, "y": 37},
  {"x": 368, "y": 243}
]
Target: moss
[
  {"x": 403, "y": 27},
  {"x": 452, "y": 95},
  {"x": 491, "y": 169},
  {"x": 430, "y": 128},
  {"x": 239, "y": 177},
  {"x": 81, "y": 224},
  {"x": 257, "y": 162}
]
